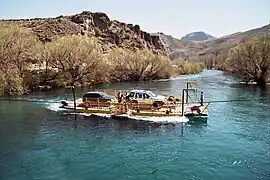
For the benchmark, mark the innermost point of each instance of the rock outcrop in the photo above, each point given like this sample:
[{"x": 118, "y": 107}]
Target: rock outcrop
[{"x": 111, "y": 33}]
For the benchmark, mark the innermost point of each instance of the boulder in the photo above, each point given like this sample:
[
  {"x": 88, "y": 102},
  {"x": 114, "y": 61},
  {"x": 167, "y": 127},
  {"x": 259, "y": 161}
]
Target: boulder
[
  {"x": 142, "y": 34},
  {"x": 78, "y": 19},
  {"x": 101, "y": 20},
  {"x": 156, "y": 42},
  {"x": 147, "y": 37},
  {"x": 137, "y": 29}
]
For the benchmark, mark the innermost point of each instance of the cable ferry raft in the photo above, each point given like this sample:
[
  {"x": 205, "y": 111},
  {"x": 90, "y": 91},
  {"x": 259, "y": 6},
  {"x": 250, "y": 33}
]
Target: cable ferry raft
[{"x": 140, "y": 103}]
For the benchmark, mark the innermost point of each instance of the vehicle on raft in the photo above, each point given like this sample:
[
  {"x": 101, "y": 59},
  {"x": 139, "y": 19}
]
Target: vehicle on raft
[{"x": 139, "y": 103}]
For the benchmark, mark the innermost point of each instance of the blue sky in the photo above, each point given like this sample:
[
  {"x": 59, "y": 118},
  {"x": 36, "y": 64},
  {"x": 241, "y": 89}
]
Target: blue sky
[{"x": 174, "y": 17}]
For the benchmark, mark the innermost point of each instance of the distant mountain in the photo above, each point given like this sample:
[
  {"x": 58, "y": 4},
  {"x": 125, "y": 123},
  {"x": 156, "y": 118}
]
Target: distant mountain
[
  {"x": 197, "y": 36},
  {"x": 176, "y": 48}
]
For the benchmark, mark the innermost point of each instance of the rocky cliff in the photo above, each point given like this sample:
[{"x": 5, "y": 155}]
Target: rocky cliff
[{"x": 111, "y": 33}]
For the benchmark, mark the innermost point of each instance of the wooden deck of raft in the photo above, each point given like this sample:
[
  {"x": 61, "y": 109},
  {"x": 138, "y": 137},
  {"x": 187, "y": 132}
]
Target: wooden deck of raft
[{"x": 140, "y": 109}]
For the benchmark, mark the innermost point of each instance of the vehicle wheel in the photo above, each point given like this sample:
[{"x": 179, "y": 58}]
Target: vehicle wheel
[
  {"x": 158, "y": 104},
  {"x": 155, "y": 104}
]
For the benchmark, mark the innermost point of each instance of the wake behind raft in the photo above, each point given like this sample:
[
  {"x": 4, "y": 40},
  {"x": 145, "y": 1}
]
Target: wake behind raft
[{"x": 140, "y": 104}]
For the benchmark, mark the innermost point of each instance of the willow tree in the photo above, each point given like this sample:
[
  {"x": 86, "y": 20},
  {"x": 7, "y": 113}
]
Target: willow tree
[
  {"x": 139, "y": 65},
  {"x": 187, "y": 67},
  {"x": 154, "y": 66},
  {"x": 73, "y": 57},
  {"x": 16, "y": 45},
  {"x": 251, "y": 60},
  {"x": 117, "y": 60}
]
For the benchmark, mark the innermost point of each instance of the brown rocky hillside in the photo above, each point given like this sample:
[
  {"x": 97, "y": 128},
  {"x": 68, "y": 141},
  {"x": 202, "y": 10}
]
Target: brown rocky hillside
[{"x": 111, "y": 33}]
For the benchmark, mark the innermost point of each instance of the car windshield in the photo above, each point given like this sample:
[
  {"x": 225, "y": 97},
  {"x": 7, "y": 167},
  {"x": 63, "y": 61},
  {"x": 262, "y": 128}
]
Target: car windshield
[{"x": 151, "y": 94}]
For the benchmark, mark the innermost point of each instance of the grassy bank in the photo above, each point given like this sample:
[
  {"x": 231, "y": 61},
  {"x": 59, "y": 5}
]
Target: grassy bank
[{"x": 28, "y": 64}]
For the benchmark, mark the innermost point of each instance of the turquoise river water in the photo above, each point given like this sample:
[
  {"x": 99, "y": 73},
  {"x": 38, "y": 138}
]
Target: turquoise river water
[{"x": 39, "y": 142}]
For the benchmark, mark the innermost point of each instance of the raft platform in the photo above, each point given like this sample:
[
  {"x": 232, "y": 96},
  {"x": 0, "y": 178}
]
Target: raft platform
[{"x": 129, "y": 109}]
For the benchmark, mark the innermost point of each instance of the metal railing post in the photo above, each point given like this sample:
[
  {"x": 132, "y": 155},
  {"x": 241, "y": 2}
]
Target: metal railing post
[{"x": 183, "y": 96}]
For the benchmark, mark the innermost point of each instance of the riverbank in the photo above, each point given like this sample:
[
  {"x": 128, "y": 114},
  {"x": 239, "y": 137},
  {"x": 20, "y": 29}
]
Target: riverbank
[
  {"x": 18, "y": 88},
  {"x": 76, "y": 61}
]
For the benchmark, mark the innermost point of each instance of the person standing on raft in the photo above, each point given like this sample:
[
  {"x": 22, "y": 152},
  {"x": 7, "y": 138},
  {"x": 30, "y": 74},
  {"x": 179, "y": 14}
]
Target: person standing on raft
[{"x": 119, "y": 96}]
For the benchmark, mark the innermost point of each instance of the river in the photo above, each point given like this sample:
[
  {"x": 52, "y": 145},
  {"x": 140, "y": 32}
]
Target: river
[{"x": 38, "y": 142}]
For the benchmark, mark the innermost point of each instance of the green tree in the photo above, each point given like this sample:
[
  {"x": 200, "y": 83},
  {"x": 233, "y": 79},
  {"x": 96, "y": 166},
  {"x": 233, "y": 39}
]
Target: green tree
[
  {"x": 251, "y": 60},
  {"x": 16, "y": 44},
  {"x": 72, "y": 58},
  {"x": 137, "y": 66},
  {"x": 187, "y": 67}
]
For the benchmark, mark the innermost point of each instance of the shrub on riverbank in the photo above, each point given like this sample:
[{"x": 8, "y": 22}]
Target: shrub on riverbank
[
  {"x": 71, "y": 60},
  {"x": 187, "y": 67},
  {"x": 250, "y": 60},
  {"x": 16, "y": 55},
  {"x": 141, "y": 65},
  {"x": 27, "y": 64}
]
